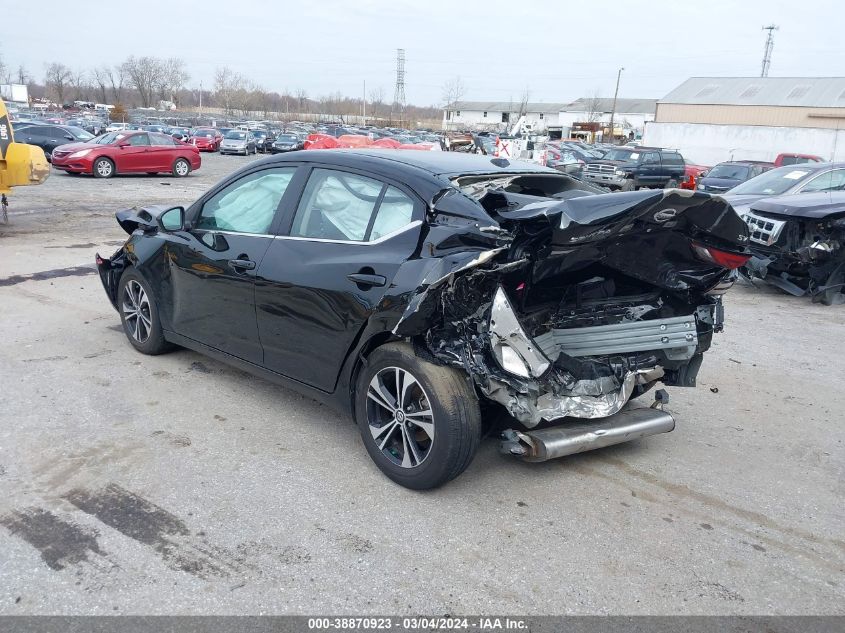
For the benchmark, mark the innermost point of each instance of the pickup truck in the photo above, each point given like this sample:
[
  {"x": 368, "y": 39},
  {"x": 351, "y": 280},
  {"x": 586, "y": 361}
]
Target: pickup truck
[
  {"x": 796, "y": 159},
  {"x": 630, "y": 168}
]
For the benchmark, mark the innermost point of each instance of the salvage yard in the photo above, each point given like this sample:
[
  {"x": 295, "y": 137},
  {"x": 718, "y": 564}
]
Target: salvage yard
[{"x": 175, "y": 484}]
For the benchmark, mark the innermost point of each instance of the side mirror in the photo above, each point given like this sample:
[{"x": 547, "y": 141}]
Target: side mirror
[
  {"x": 172, "y": 219},
  {"x": 68, "y": 137}
]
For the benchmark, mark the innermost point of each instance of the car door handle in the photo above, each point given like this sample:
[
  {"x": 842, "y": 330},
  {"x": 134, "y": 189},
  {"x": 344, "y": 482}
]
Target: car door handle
[
  {"x": 363, "y": 279},
  {"x": 242, "y": 264}
]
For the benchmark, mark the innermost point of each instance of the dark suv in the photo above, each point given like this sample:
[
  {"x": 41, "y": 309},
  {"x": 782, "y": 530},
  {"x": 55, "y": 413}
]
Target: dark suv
[
  {"x": 629, "y": 168},
  {"x": 49, "y": 137}
]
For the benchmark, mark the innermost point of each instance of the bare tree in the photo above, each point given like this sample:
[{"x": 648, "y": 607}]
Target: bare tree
[
  {"x": 102, "y": 79},
  {"x": 593, "y": 107},
  {"x": 453, "y": 90},
  {"x": 172, "y": 78},
  {"x": 227, "y": 84},
  {"x": 144, "y": 74},
  {"x": 57, "y": 78},
  {"x": 23, "y": 77},
  {"x": 523, "y": 101},
  {"x": 117, "y": 79},
  {"x": 302, "y": 99},
  {"x": 376, "y": 102},
  {"x": 79, "y": 83},
  {"x": 3, "y": 76}
]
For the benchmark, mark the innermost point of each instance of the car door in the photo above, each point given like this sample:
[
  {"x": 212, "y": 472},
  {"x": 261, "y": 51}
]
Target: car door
[
  {"x": 133, "y": 153},
  {"x": 650, "y": 169},
  {"x": 162, "y": 152},
  {"x": 322, "y": 279},
  {"x": 213, "y": 264}
]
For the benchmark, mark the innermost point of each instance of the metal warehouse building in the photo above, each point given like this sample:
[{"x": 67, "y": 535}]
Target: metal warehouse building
[{"x": 712, "y": 119}]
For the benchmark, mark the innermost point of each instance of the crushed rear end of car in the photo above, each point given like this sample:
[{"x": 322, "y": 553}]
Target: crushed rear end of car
[{"x": 571, "y": 304}]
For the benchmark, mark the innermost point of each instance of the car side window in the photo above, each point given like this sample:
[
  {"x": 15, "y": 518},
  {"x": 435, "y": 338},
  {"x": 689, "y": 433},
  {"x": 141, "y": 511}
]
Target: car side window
[
  {"x": 137, "y": 140},
  {"x": 247, "y": 205},
  {"x": 337, "y": 205},
  {"x": 651, "y": 158},
  {"x": 162, "y": 139},
  {"x": 822, "y": 182},
  {"x": 395, "y": 212},
  {"x": 831, "y": 181}
]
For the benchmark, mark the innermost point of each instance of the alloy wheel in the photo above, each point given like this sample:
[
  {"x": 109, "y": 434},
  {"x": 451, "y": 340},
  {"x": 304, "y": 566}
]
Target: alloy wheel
[
  {"x": 400, "y": 417},
  {"x": 136, "y": 311},
  {"x": 181, "y": 168},
  {"x": 104, "y": 168}
]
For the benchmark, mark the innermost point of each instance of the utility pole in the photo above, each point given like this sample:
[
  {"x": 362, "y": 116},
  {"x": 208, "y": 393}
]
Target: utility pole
[
  {"x": 200, "y": 98},
  {"x": 767, "y": 52},
  {"x": 364, "y": 102},
  {"x": 613, "y": 108},
  {"x": 399, "y": 93}
]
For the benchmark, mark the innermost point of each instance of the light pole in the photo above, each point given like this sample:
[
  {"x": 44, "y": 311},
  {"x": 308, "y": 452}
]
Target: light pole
[{"x": 613, "y": 108}]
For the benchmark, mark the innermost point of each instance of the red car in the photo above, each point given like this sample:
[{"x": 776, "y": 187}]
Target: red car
[
  {"x": 127, "y": 153},
  {"x": 206, "y": 139}
]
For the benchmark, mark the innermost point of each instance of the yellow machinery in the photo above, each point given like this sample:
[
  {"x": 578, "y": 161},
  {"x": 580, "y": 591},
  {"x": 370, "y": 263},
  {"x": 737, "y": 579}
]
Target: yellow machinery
[{"x": 20, "y": 164}]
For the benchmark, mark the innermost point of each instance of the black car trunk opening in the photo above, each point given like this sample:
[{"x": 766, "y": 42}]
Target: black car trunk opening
[{"x": 584, "y": 302}]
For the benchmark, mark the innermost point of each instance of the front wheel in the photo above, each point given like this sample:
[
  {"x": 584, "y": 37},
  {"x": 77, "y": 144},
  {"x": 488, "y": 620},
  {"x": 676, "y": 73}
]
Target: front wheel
[
  {"x": 139, "y": 315},
  {"x": 628, "y": 185},
  {"x": 420, "y": 422},
  {"x": 103, "y": 168}
]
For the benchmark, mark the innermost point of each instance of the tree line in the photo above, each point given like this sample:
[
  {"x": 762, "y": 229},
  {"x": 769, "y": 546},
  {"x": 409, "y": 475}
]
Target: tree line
[{"x": 145, "y": 81}]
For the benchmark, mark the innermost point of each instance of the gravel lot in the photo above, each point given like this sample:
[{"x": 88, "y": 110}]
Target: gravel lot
[{"x": 174, "y": 484}]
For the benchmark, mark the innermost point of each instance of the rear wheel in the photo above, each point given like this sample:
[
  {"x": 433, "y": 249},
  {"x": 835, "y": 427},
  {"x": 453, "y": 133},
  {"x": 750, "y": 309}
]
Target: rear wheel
[
  {"x": 181, "y": 168},
  {"x": 139, "y": 315},
  {"x": 420, "y": 422},
  {"x": 628, "y": 185},
  {"x": 103, "y": 168},
  {"x": 672, "y": 184}
]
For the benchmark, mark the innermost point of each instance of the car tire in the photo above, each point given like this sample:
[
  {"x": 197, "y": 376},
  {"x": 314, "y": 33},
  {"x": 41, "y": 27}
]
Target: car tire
[
  {"x": 103, "y": 168},
  {"x": 181, "y": 168},
  {"x": 417, "y": 456},
  {"x": 628, "y": 185},
  {"x": 139, "y": 314},
  {"x": 672, "y": 184}
]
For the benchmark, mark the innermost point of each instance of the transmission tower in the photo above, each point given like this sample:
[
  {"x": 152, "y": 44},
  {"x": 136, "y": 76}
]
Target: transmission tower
[
  {"x": 399, "y": 93},
  {"x": 767, "y": 53}
]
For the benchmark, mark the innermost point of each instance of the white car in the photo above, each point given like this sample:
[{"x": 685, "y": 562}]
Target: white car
[{"x": 117, "y": 127}]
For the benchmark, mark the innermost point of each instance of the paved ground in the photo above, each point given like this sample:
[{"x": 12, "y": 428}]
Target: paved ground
[{"x": 173, "y": 484}]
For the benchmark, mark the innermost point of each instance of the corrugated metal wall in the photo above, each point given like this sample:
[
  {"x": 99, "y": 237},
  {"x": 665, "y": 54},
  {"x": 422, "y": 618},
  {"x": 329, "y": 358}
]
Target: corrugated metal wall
[{"x": 831, "y": 118}]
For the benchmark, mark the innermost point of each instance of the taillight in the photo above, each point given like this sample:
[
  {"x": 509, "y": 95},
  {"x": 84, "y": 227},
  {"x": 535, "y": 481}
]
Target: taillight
[{"x": 720, "y": 258}]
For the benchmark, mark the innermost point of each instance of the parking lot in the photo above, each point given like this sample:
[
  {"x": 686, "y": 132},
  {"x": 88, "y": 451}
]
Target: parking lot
[{"x": 175, "y": 484}]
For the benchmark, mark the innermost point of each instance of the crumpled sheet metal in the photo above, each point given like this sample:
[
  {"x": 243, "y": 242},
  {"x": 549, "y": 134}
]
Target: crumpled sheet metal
[{"x": 549, "y": 406}]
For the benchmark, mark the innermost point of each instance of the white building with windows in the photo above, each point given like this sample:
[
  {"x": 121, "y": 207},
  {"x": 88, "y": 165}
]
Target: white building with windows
[{"x": 500, "y": 115}]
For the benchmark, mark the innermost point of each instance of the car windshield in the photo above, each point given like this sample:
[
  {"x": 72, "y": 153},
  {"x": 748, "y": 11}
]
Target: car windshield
[
  {"x": 108, "y": 139},
  {"x": 287, "y": 138},
  {"x": 206, "y": 133},
  {"x": 772, "y": 183},
  {"x": 622, "y": 154},
  {"x": 236, "y": 136},
  {"x": 259, "y": 133},
  {"x": 731, "y": 172}
]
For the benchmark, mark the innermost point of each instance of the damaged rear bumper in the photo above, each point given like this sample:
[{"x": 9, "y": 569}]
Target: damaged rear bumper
[{"x": 545, "y": 444}]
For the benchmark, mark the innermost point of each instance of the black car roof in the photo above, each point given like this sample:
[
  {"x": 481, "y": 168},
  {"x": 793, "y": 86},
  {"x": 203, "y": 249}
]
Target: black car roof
[{"x": 433, "y": 162}]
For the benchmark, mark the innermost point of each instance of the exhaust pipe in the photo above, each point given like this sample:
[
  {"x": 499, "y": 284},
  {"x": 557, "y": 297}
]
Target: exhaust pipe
[{"x": 586, "y": 435}]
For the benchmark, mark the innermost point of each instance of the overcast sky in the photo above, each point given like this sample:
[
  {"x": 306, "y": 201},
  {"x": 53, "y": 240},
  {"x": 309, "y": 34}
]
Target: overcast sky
[{"x": 559, "y": 49}]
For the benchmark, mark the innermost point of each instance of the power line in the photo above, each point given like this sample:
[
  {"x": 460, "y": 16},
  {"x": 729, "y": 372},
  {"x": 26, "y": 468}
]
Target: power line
[{"x": 767, "y": 53}]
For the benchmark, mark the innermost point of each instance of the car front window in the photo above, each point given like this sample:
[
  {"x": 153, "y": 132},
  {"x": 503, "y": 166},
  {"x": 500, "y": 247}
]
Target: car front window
[
  {"x": 731, "y": 172},
  {"x": 249, "y": 204}
]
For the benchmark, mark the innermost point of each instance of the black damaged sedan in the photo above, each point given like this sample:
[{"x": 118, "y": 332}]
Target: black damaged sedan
[{"x": 427, "y": 292}]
